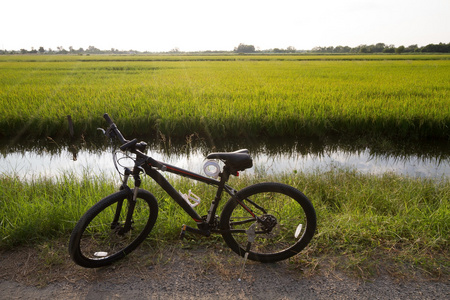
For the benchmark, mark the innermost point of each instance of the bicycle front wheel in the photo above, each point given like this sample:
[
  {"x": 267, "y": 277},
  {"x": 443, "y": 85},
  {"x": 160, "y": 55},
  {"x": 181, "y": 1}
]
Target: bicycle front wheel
[
  {"x": 272, "y": 221},
  {"x": 112, "y": 228}
]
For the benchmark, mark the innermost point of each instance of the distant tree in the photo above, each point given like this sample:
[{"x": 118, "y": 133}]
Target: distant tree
[
  {"x": 400, "y": 49},
  {"x": 363, "y": 49},
  {"x": 242, "y": 48},
  {"x": 377, "y": 48},
  {"x": 61, "y": 50},
  {"x": 92, "y": 49},
  {"x": 41, "y": 50},
  {"x": 389, "y": 49},
  {"x": 342, "y": 49},
  {"x": 441, "y": 47},
  {"x": 23, "y": 51},
  {"x": 411, "y": 48},
  {"x": 291, "y": 49}
]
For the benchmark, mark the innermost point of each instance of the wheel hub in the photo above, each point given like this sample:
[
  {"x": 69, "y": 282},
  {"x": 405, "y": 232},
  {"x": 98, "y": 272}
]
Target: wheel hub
[{"x": 267, "y": 223}]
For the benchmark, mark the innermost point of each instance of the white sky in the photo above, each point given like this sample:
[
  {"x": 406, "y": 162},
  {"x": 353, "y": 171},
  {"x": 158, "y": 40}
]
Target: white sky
[{"x": 148, "y": 25}]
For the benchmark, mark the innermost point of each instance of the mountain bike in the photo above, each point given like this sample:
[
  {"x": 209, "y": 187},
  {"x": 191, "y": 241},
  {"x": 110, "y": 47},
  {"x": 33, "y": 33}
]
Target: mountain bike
[{"x": 265, "y": 222}]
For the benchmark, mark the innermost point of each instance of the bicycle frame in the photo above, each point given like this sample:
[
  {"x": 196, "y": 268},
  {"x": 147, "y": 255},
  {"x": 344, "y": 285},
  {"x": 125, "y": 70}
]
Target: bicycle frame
[
  {"x": 173, "y": 193},
  {"x": 205, "y": 226}
]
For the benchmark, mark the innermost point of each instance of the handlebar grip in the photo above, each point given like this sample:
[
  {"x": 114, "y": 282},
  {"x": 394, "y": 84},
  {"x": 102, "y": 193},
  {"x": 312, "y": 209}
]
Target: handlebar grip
[
  {"x": 115, "y": 129},
  {"x": 108, "y": 119},
  {"x": 128, "y": 144}
]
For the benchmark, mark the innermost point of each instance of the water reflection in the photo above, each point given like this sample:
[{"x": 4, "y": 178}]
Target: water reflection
[{"x": 52, "y": 158}]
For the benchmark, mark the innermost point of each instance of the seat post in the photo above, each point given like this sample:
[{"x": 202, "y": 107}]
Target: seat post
[{"x": 224, "y": 176}]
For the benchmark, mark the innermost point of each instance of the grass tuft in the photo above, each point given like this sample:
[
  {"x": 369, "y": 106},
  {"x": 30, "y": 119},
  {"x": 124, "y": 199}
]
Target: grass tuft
[{"x": 361, "y": 217}]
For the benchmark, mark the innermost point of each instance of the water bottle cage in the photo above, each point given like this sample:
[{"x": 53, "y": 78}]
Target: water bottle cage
[{"x": 192, "y": 199}]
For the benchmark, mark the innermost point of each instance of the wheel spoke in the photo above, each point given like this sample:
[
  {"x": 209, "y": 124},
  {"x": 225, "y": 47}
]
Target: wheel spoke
[
  {"x": 281, "y": 222},
  {"x": 102, "y": 236}
]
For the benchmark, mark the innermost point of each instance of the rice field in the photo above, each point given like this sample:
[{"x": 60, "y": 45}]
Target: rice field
[{"x": 232, "y": 96}]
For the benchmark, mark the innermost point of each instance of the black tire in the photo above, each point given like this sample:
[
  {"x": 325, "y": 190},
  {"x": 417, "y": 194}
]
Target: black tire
[
  {"x": 286, "y": 211},
  {"x": 96, "y": 242}
]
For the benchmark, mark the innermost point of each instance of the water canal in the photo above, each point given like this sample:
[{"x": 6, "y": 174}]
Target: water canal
[{"x": 50, "y": 158}]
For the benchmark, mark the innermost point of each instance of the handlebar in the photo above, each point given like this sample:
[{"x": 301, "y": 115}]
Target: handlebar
[{"x": 130, "y": 145}]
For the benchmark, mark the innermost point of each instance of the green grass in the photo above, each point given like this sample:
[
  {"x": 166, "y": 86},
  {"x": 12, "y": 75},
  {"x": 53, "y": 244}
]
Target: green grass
[
  {"x": 364, "y": 217},
  {"x": 399, "y": 97}
]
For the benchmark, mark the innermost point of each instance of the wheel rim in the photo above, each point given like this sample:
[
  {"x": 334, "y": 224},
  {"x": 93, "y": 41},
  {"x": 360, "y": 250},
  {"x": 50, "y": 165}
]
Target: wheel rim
[{"x": 102, "y": 241}]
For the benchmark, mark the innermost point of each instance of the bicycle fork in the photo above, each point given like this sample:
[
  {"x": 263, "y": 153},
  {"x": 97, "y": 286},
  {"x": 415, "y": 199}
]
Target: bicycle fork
[{"x": 131, "y": 201}]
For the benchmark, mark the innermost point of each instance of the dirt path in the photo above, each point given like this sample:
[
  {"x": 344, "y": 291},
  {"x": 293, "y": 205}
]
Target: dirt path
[
  {"x": 195, "y": 274},
  {"x": 265, "y": 285}
]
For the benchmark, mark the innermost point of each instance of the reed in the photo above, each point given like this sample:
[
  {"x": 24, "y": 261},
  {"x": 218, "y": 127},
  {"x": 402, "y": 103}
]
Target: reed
[{"x": 399, "y": 97}]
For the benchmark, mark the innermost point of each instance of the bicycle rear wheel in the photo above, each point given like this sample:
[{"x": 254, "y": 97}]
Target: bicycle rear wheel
[
  {"x": 284, "y": 222},
  {"x": 103, "y": 236}
]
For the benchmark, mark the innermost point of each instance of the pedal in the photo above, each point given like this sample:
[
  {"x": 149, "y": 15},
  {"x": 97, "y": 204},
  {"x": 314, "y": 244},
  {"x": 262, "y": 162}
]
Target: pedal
[
  {"x": 183, "y": 232},
  {"x": 185, "y": 228}
]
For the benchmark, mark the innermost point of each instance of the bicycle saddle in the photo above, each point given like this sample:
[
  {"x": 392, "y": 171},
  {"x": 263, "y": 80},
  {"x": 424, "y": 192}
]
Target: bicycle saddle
[{"x": 238, "y": 160}]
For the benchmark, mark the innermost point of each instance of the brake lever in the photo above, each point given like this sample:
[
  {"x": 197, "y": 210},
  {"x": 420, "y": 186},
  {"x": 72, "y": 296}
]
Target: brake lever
[
  {"x": 102, "y": 130},
  {"x": 109, "y": 132}
]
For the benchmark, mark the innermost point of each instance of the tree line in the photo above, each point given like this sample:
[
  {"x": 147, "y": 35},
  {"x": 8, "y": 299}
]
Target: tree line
[
  {"x": 376, "y": 48},
  {"x": 244, "y": 48},
  {"x": 71, "y": 50},
  {"x": 383, "y": 48}
]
